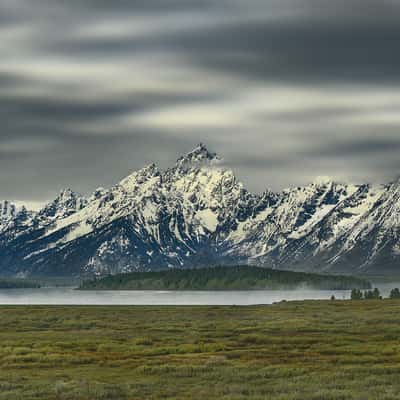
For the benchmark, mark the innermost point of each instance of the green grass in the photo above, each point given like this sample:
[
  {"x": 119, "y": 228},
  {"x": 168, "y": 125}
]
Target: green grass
[
  {"x": 316, "y": 350},
  {"x": 240, "y": 277}
]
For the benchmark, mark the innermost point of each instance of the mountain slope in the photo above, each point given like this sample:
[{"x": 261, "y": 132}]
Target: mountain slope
[{"x": 196, "y": 213}]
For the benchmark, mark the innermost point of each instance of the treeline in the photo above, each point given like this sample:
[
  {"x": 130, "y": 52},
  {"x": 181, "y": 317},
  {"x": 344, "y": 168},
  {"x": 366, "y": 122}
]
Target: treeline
[
  {"x": 357, "y": 294},
  {"x": 223, "y": 278},
  {"x": 18, "y": 284}
]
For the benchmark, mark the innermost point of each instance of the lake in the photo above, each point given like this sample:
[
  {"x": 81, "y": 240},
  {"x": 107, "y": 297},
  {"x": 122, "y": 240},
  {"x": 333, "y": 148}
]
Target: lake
[{"x": 69, "y": 296}]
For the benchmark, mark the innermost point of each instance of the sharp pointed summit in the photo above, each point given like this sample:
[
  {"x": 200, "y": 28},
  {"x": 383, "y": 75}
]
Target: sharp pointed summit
[
  {"x": 65, "y": 204},
  {"x": 197, "y": 214},
  {"x": 322, "y": 180},
  {"x": 7, "y": 210},
  {"x": 200, "y": 154}
]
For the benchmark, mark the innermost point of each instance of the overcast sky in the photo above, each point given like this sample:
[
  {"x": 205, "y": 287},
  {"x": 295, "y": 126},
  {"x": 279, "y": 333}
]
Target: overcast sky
[{"x": 283, "y": 90}]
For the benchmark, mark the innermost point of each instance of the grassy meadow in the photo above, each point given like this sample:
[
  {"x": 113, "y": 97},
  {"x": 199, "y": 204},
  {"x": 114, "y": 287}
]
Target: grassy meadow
[{"x": 317, "y": 350}]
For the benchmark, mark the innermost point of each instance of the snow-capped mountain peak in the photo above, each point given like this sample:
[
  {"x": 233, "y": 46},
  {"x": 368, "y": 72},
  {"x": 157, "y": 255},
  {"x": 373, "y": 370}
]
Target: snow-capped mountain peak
[
  {"x": 65, "y": 204},
  {"x": 199, "y": 155},
  {"x": 197, "y": 213},
  {"x": 137, "y": 178},
  {"x": 7, "y": 210},
  {"x": 322, "y": 180}
]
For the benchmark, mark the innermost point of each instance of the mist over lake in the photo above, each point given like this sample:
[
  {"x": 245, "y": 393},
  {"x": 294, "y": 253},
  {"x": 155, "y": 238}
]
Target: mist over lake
[{"x": 70, "y": 296}]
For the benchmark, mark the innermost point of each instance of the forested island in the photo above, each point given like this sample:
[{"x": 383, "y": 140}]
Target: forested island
[
  {"x": 6, "y": 283},
  {"x": 223, "y": 278}
]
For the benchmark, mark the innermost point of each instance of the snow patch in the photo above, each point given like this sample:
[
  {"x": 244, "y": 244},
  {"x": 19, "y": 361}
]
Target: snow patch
[{"x": 208, "y": 219}]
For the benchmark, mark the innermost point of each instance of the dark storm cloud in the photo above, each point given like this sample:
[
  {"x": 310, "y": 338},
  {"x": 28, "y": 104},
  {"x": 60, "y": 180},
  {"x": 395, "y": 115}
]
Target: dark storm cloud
[
  {"x": 345, "y": 150},
  {"x": 314, "y": 114},
  {"x": 324, "y": 52},
  {"x": 59, "y": 110},
  {"x": 9, "y": 80},
  {"x": 327, "y": 51},
  {"x": 283, "y": 89},
  {"x": 356, "y": 148},
  {"x": 132, "y": 6},
  {"x": 97, "y": 161}
]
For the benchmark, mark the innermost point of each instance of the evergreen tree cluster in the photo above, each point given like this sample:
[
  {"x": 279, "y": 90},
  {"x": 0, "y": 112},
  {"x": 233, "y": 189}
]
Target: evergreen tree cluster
[
  {"x": 395, "y": 293},
  {"x": 357, "y": 294},
  {"x": 18, "y": 284},
  {"x": 372, "y": 294},
  {"x": 242, "y": 277}
]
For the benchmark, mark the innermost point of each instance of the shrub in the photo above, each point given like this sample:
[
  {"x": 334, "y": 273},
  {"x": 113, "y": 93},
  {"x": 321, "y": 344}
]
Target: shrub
[
  {"x": 356, "y": 294},
  {"x": 372, "y": 294},
  {"x": 395, "y": 293}
]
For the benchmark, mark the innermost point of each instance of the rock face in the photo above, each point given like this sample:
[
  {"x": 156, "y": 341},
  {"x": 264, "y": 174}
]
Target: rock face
[
  {"x": 196, "y": 214},
  {"x": 7, "y": 211}
]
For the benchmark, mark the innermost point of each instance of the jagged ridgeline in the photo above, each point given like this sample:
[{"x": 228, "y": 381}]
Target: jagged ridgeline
[
  {"x": 223, "y": 278},
  {"x": 197, "y": 214}
]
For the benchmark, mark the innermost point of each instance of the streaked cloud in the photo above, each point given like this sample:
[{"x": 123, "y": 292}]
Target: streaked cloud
[{"x": 283, "y": 89}]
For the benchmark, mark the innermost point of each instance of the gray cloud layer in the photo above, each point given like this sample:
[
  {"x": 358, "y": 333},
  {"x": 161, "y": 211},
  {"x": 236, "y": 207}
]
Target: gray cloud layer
[{"x": 283, "y": 89}]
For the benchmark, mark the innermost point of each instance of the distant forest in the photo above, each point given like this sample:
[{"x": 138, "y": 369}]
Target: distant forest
[
  {"x": 223, "y": 278},
  {"x": 18, "y": 284}
]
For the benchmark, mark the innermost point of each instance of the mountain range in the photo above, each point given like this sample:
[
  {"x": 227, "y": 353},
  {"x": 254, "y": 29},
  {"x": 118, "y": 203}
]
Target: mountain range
[{"x": 198, "y": 214}]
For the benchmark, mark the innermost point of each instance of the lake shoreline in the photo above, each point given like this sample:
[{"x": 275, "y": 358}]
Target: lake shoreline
[{"x": 71, "y": 296}]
